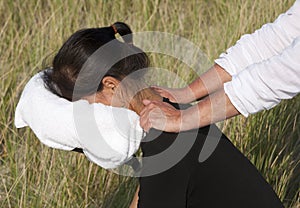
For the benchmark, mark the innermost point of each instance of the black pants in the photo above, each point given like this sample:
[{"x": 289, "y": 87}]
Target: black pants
[{"x": 226, "y": 179}]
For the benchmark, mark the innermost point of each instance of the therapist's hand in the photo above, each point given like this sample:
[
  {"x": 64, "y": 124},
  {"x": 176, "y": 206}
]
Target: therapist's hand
[
  {"x": 175, "y": 95},
  {"x": 161, "y": 116}
]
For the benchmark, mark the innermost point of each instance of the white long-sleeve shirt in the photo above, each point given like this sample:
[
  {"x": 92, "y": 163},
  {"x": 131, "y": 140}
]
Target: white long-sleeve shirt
[{"x": 265, "y": 65}]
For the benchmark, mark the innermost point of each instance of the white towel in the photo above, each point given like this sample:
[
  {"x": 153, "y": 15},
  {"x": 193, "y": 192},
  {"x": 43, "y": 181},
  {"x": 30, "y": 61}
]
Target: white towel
[{"x": 109, "y": 136}]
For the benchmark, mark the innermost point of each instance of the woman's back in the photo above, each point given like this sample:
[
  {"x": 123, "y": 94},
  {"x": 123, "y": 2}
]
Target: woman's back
[{"x": 226, "y": 179}]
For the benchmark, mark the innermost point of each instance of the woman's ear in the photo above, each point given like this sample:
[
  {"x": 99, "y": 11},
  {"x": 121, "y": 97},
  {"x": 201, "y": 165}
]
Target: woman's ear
[{"x": 110, "y": 83}]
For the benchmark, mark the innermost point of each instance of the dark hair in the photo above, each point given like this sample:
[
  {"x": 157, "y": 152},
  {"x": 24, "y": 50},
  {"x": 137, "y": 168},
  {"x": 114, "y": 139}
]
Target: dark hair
[{"x": 76, "y": 51}]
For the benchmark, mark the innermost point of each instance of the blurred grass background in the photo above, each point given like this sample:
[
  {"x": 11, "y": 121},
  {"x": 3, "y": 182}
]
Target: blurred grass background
[{"x": 31, "y": 31}]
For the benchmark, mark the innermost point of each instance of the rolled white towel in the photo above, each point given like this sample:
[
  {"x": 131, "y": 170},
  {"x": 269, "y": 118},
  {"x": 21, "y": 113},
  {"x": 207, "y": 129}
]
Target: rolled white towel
[{"x": 109, "y": 136}]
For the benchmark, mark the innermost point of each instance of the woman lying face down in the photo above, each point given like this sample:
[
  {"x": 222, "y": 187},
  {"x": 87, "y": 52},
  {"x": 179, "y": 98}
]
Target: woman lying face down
[{"x": 118, "y": 85}]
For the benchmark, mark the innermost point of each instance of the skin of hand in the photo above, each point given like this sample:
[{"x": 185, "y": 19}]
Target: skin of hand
[
  {"x": 134, "y": 202},
  {"x": 162, "y": 116},
  {"x": 207, "y": 83},
  {"x": 215, "y": 107},
  {"x": 175, "y": 95}
]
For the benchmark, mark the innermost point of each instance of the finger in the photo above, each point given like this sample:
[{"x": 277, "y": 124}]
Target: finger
[
  {"x": 145, "y": 110},
  {"x": 159, "y": 104},
  {"x": 165, "y": 92},
  {"x": 144, "y": 124},
  {"x": 143, "y": 121},
  {"x": 155, "y": 87},
  {"x": 162, "y": 89},
  {"x": 148, "y": 107},
  {"x": 147, "y": 127},
  {"x": 146, "y": 102}
]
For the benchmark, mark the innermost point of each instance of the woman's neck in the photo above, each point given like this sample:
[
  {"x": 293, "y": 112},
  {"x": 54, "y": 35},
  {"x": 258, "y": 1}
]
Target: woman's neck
[{"x": 135, "y": 104}]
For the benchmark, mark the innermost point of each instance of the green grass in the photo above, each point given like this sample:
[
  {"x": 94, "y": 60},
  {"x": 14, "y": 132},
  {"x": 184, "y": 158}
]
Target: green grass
[{"x": 33, "y": 175}]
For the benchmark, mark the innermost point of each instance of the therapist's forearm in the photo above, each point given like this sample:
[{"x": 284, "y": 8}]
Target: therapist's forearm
[
  {"x": 214, "y": 108},
  {"x": 208, "y": 82}
]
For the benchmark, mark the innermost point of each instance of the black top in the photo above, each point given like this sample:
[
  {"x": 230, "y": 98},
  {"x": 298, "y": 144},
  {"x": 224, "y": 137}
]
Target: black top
[{"x": 176, "y": 179}]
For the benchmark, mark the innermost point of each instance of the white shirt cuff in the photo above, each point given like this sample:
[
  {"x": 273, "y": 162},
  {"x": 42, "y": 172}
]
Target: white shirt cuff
[{"x": 234, "y": 99}]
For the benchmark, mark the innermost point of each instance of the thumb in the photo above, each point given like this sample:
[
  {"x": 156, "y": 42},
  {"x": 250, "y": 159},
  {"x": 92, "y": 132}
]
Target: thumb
[
  {"x": 146, "y": 102},
  {"x": 158, "y": 89}
]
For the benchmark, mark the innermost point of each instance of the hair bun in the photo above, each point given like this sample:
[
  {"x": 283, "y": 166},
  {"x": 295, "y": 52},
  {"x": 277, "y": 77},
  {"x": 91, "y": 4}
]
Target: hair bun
[{"x": 124, "y": 30}]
